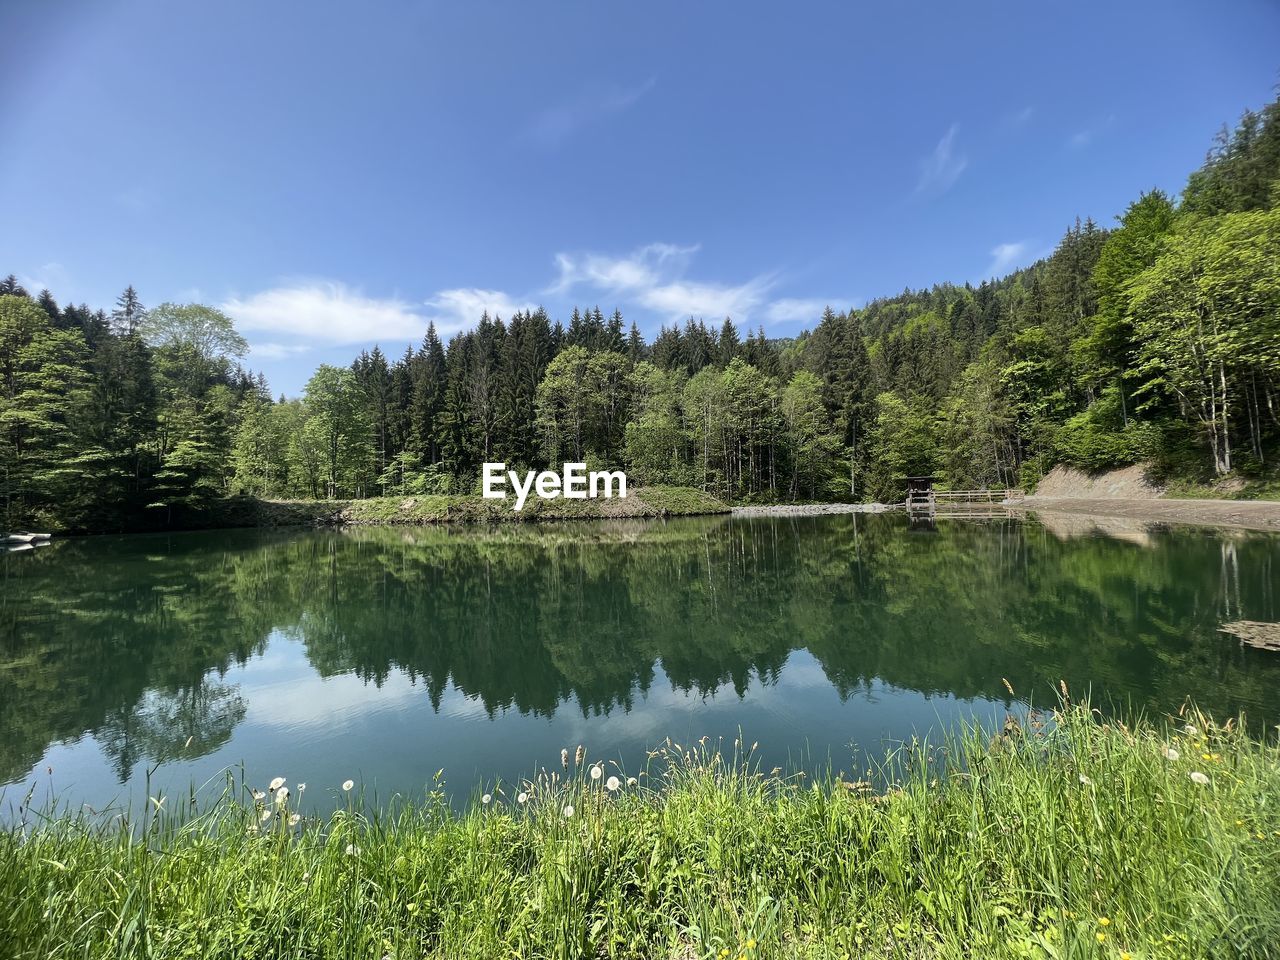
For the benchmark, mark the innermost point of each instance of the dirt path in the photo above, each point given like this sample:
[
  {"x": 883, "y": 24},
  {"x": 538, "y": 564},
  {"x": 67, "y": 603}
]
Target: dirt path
[{"x": 1241, "y": 514}]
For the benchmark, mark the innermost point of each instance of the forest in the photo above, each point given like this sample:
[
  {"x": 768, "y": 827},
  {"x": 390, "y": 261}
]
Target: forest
[{"x": 1156, "y": 341}]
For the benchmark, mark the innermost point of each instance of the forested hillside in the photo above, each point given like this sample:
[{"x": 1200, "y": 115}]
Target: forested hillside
[{"x": 1157, "y": 340}]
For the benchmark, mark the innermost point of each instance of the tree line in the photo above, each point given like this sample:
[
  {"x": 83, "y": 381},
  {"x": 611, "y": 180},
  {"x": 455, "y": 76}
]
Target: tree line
[{"x": 1156, "y": 341}]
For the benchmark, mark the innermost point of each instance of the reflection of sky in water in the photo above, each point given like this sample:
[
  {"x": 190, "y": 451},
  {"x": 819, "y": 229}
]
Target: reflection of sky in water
[{"x": 319, "y": 731}]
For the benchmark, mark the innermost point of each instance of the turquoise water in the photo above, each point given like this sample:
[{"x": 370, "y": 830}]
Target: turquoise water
[{"x": 387, "y": 654}]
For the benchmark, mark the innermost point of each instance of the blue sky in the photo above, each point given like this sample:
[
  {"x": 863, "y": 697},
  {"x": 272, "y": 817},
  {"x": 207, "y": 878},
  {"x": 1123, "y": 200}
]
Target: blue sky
[{"x": 336, "y": 174}]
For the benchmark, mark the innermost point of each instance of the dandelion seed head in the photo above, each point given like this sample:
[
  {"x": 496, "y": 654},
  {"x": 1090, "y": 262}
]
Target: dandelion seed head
[
  {"x": 1170, "y": 753},
  {"x": 259, "y": 795},
  {"x": 347, "y": 785},
  {"x": 1198, "y": 777},
  {"x": 282, "y": 796},
  {"x": 487, "y": 798},
  {"x": 277, "y": 783},
  {"x": 613, "y": 783},
  {"x": 1190, "y": 730},
  {"x": 597, "y": 772},
  {"x": 567, "y": 811},
  {"x": 352, "y": 850},
  {"x": 522, "y": 797},
  {"x": 295, "y": 819},
  {"x": 266, "y": 815}
]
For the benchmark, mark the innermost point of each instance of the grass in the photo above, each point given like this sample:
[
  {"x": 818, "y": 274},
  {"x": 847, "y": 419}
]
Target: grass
[
  {"x": 640, "y": 502},
  {"x": 1069, "y": 838},
  {"x": 1255, "y": 488}
]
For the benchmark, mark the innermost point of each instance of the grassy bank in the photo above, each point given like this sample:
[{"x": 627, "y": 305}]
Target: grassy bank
[
  {"x": 1236, "y": 488},
  {"x": 1071, "y": 839},
  {"x": 640, "y": 502}
]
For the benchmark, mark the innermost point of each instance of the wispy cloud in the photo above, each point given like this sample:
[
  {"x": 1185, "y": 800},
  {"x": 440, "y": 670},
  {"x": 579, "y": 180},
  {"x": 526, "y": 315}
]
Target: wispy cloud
[
  {"x": 652, "y": 277},
  {"x": 943, "y": 166},
  {"x": 325, "y": 312},
  {"x": 650, "y": 282},
  {"x": 797, "y": 309},
  {"x": 1083, "y": 138},
  {"x": 52, "y": 276},
  {"x": 1020, "y": 117},
  {"x": 556, "y": 124},
  {"x": 461, "y": 307},
  {"x": 276, "y": 351},
  {"x": 1004, "y": 256}
]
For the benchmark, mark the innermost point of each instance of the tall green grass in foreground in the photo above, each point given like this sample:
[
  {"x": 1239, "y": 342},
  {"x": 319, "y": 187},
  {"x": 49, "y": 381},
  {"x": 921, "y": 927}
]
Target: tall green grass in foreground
[{"x": 1073, "y": 838}]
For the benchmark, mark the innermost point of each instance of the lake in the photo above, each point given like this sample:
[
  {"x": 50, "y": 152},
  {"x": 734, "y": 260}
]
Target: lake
[{"x": 387, "y": 654}]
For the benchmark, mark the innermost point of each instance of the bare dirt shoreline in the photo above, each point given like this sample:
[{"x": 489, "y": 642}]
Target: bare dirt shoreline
[{"x": 1238, "y": 514}]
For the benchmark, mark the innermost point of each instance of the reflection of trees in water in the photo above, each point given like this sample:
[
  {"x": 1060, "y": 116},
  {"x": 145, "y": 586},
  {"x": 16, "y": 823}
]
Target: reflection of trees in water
[
  {"x": 170, "y": 725},
  {"x": 126, "y": 639}
]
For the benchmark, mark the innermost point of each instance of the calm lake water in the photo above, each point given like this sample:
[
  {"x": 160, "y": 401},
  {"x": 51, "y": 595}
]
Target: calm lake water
[{"x": 385, "y": 655}]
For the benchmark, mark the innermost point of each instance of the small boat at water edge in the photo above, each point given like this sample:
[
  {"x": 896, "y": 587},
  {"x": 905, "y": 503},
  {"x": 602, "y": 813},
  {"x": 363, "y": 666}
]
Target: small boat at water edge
[{"x": 27, "y": 537}]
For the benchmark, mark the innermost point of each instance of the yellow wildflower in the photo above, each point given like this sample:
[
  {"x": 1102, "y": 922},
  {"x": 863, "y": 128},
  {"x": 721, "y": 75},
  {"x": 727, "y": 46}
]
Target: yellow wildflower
[
  {"x": 1104, "y": 921},
  {"x": 1102, "y": 937},
  {"x": 751, "y": 944}
]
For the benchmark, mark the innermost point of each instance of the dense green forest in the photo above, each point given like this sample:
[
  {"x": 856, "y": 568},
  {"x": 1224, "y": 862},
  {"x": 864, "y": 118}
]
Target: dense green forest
[{"x": 1156, "y": 341}]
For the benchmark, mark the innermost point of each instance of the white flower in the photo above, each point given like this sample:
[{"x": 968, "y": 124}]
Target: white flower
[
  {"x": 613, "y": 783},
  {"x": 295, "y": 819},
  {"x": 567, "y": 811},
  {"x": 277, "y": 783},
  {"x": 631, "y": 781},
  {"x": 282, "y": 796},
  {"x": 522, "y": 797},
  {"x": 597, "y": 772},
  {"x": 1170, "y": 753},
  {"x": 352, "y": 850},
  {"x": 1189, "y": 730},
  {"x": 347, "y": 785},
  {"x": 1198, "y": 777},
  {"x": 486, "y": 798},
  {"x": 266, "y": 815}
]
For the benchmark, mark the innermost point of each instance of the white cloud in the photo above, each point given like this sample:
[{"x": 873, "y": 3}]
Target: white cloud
[
  {"x": 652, "y": 277},
  {"x": 943, "y": 166},
  {"x": 276, "y": 351},
  {"x": 556, "y": 124},
  {"x": 326, "y": 312},
  {"x": 792, "y": 309},
  {"x": 461, "y": 307},
  {"x": 1004, "y": 256}
]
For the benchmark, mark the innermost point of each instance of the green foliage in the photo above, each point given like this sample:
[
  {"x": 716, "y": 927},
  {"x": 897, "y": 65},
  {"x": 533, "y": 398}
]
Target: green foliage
[
  {"x": 1070, "y": 838},
  {"x": 1097, "y": 438}
]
